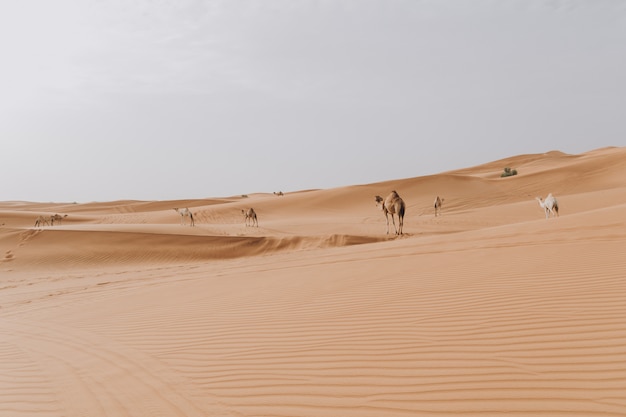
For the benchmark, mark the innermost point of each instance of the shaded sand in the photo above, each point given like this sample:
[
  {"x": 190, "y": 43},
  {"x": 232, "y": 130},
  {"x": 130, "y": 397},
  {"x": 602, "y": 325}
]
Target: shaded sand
[{"x": 488, "y": 309}]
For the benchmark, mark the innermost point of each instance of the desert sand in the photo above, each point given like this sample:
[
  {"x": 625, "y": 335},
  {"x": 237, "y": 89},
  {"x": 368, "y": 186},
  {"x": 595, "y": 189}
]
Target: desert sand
[{"x": 488, "y": 309}]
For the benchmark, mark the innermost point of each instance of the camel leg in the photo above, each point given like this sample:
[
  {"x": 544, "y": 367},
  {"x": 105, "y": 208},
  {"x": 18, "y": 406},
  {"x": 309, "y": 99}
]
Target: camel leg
[
  {"x": 394, "y": 224},
  {"x": 387, "y": 218}
]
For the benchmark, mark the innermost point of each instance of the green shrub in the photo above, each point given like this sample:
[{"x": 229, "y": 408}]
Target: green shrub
[{"x": 508, "y": 172}]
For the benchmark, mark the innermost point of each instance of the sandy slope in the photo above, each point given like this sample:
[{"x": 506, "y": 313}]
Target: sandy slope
[{"x": 488, "y": 309}]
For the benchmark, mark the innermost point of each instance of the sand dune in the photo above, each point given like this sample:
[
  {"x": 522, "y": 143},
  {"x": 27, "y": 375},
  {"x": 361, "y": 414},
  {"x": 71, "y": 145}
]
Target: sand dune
[{"x": 489, "y": 309}]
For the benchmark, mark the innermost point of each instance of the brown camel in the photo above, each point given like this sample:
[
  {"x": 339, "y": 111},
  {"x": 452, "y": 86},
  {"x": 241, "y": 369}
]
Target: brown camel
[
  {"x": 438, "y": 204},
  {"x": 393, "y": 204},
  {"x": 250, "y": 215},
  {"x": 41, "y": 221},
  {"x": 57, "y": 218}
]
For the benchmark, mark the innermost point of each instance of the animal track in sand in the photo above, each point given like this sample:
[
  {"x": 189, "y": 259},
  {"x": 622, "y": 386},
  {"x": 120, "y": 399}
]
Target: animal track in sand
[
  {"x": 28, "y": 235},
  {"x": 24, "y": 237},
  {"x": 8, "y": 256}
]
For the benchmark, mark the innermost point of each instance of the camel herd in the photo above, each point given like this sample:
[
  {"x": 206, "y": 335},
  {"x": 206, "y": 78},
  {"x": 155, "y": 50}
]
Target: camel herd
[
  {"x": 49, "y": 220},
  {"x": 392, "y": 205}
]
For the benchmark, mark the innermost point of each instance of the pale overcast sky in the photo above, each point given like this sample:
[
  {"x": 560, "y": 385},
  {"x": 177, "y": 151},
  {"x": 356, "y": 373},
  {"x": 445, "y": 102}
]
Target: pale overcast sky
[{"x": 154, "y": 100}]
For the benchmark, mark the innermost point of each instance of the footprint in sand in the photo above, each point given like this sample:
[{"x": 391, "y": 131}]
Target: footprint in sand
[
  {"x": 24, "y": 237},
  {"x": 28, "y": 235},
  {"x": 8, "y": 256}
]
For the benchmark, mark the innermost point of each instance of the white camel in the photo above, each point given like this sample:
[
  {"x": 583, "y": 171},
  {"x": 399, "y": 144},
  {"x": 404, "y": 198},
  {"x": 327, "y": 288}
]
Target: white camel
[
  {"x": 250, "y": 216},
  {"x": 438, "y": 203},
  {"x": 57, "y": 218},
  {"x": 185, "y": 212},
  {"x": 549, "y": 205},
  {"x": 393, "y": 204}
]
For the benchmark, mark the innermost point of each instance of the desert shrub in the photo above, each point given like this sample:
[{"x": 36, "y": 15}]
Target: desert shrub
[{"x": 508, "y": 172}]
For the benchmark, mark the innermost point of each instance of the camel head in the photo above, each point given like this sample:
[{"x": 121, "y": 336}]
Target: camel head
[{"x": 379, "y": 202}]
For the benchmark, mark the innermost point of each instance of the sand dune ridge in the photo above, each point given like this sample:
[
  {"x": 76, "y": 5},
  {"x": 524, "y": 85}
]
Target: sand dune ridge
[{"x": 488, "y": 309}]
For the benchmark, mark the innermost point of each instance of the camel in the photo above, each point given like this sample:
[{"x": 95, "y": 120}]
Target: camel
[
  {"x": 393, "y": 204},
  {"x": 185, "y": 212},
  {"x": 250, "y": 214},
  {"x": 56, "y": 217},
  {"x": 41, "y": 221},
  {"x": 549, "y": 205},
  {"x": 438, "y": 203},
  {"x": 279, "y": 193}
]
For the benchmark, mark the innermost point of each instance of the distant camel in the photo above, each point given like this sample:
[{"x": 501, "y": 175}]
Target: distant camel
[
  {"x": 393, "y": 204},
  {"x": 549, "y": 205},
  {"x": 438, "y": 203},
  {"x": 41, "y": 221},
  {"x": 279, "y": 194},
  {"x": 56, "y": 218},
  {"x": 250, "y": 215},
  {"x": 185, "y": 212}
]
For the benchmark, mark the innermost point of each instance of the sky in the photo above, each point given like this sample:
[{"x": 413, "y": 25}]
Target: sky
[{"x": 105, "y": 100}]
